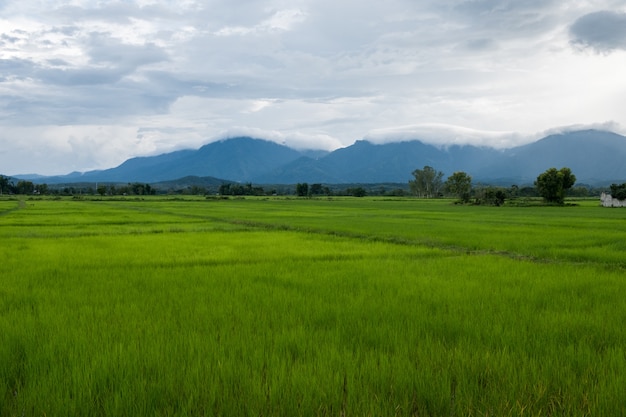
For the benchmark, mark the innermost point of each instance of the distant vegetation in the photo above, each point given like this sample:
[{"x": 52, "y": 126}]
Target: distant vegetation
[
  {"x": 553, "y": 186},
  {"x": 426, "y": 183},
  {"x": 618, "y": 191},
  {"x": 7, "y": 186},
  {"x": 24, "y": 187}
]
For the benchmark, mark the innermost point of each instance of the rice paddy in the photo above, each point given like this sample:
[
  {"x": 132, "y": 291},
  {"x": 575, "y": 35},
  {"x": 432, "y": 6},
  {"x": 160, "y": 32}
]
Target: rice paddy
[{"x": 310, "y": 307}]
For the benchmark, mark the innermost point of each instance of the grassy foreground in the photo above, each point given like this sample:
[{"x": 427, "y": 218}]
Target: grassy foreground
[{"x": 346, "y": 307}]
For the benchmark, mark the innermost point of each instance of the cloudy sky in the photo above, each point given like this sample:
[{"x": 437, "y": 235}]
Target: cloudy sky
[{"x": 88, "y": 84}]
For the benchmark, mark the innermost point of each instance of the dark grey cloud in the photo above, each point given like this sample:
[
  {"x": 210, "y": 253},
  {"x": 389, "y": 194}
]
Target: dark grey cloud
[
  {"x": 110, "y": 60},
  {"x": 63, "y": 92},
  {"x": 81, "y": 76},
  {"x": 86, "y": 104},
  {"x": 16, "y": 68},
  {"x": 56, "y": 62},
  {"x": 602, "y": 31},
  {"x": 22, "y": 69},
  {"x": 171, "y": 85},
  {"x": 104, "y": 49},
  {"x": 481, "y": 44},
  {"x": 8, "y": 38},
  {"x": 65, "y": 30},
  {"x": 509, "y": 16}
]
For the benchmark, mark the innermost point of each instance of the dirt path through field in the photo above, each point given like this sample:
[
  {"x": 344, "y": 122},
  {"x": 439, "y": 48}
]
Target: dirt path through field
[{"x": 20, "y": 205}]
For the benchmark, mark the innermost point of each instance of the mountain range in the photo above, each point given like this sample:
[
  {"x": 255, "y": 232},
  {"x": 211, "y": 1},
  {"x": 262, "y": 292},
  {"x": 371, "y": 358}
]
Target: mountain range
[{"x": 595, "y": 157}]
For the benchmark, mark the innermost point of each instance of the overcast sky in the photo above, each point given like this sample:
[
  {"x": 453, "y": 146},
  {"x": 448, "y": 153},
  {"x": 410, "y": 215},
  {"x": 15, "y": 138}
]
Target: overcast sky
[{"x": 88, "y": 84}]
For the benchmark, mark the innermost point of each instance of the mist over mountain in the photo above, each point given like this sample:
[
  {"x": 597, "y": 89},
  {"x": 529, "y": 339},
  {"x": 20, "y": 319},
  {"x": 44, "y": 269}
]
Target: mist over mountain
[{"x": 595, "y": 157}]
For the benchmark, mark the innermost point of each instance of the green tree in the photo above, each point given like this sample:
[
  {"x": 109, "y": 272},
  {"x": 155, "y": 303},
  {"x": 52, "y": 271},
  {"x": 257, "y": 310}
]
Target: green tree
[
  {"x": 41, "y": 189},
  {"x": 494, "y": 196},
  {"x": 138, "y": 188},
  {"x": 224, "y": 189},
  {"x": 25, "y": 187},
  {"x": 101, "y": 189},
  {"x": 459, "y": 184},
  {"x": 357, "y": 192},
  {"x": 237, "y": 189},
  {"x": 618, "y": 191},
  {"x": 302, "y": 189},
  {"x": 316, "y": 189},
  {"x": 5, "y": 184},
  {"x": 197, "y": 190},
  {"x": 553, "y": 184},
  {"x": 579, "y": 191},
  {"x": 427, "y": 182}
]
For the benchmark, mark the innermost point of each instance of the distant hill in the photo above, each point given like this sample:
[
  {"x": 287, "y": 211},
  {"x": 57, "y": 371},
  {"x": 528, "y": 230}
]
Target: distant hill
[
  {"x": 366, "y": 162},
  {"x": 238, "y": 159},
  {"x": 191, "y": 180},
  {"x": 595, "y": 157}
]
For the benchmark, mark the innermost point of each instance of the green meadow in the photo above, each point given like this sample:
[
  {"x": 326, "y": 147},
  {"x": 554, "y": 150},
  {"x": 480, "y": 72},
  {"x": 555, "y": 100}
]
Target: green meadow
[{"x": 310, "y": 307}]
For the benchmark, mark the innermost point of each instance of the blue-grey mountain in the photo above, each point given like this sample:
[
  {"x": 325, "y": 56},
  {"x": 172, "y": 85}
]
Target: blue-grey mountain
[{"x": 595, "y": 157}]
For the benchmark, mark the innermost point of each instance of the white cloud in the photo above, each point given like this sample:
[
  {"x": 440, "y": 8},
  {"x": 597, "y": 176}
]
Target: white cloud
[
  {"x": 443, "y": 134},
  {"x": 611, "y": 126},
  {"x": 296, "y": 140},
  {"x": 258, "y": 105},
  {"x": 56, "y": 150},
  {"x": 283, "y": 20}
]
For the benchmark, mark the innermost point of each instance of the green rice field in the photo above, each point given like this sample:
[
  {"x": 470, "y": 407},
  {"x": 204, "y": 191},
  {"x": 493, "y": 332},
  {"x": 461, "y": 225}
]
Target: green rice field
[{"x": 310, "y": 307}]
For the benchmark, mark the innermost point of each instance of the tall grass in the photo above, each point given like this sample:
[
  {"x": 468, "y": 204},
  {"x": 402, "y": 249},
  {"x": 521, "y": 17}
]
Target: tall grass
[{"x": 317, "y": 312}]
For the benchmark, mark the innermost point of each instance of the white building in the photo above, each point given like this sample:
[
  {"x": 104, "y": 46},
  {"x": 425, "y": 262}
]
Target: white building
[{"x": 609, "y": 201}]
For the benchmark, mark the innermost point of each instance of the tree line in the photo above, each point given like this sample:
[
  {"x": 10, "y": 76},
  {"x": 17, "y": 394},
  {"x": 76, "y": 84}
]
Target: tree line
[
  {"x": 8, "y": 186},
  {"x": 552, "y": 185}
]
